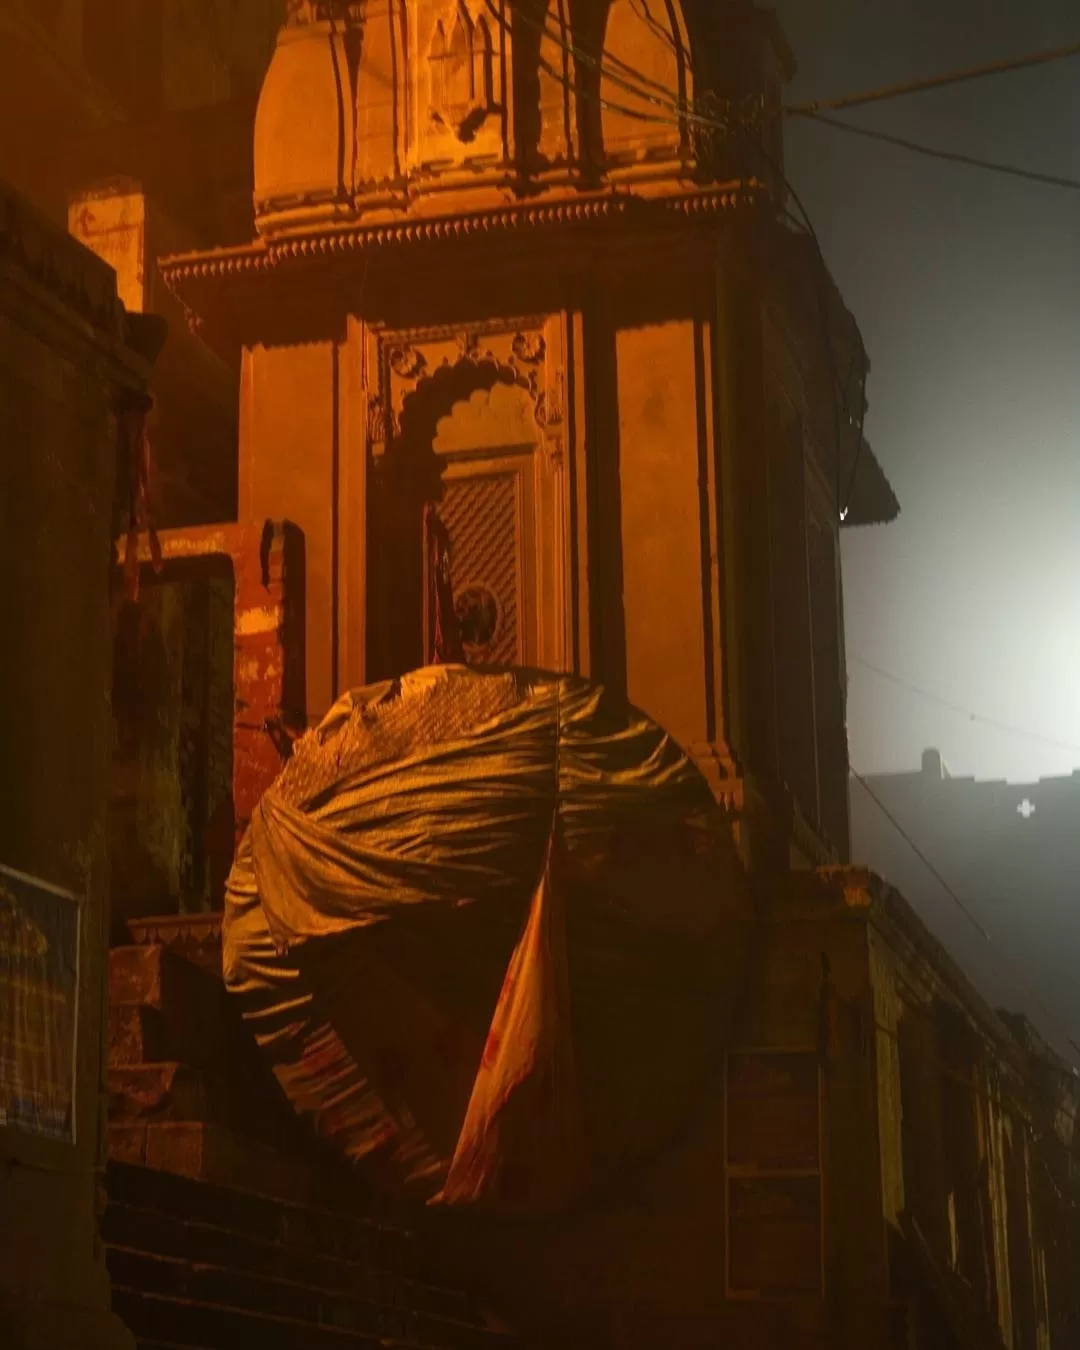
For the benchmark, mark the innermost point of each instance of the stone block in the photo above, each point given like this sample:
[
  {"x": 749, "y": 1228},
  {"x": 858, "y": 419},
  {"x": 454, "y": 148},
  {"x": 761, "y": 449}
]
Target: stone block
[
  {"x": 127, "y": 1143},
  {"x": 136, "y": 1035},
  {"x": 189, "y": 1027},
  {"x": 188, "y": 1002},
  {"x": 150, "y": 1092},
  {"x": 209, "y": 1152},
  {"x": 137, "y": 976}
]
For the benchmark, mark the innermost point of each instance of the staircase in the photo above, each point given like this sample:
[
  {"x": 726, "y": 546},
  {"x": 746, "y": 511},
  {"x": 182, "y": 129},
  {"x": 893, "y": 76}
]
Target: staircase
[
  {"x": 199, "y": 1265},
  {"x": 227, "y": 1225},
  {"x": 188, "y": 1091}
]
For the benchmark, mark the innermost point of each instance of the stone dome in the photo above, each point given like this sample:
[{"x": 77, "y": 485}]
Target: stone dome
[
  {"x": 304, "y": 128},
  {"x": 382, "y": 107}
]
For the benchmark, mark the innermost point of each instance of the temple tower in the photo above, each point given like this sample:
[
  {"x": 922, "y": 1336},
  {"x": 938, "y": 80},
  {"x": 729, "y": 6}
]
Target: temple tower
[{"x": 528, "y": 263}]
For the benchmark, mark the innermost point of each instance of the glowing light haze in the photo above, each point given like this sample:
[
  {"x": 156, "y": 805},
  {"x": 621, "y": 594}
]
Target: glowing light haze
[{"x": 967, "y": 288}]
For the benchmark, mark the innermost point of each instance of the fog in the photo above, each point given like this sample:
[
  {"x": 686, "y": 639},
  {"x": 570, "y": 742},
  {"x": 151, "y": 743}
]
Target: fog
[{"x": 966, "y": 285}]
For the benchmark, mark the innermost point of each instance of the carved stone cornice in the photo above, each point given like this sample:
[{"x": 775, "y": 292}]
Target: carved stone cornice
[{"x": 332, "y": 242}]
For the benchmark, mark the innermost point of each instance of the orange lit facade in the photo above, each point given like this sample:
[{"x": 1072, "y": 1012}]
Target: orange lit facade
[
  {"x": 538, "y": 273},
  {"x": 531, "y": 265}
]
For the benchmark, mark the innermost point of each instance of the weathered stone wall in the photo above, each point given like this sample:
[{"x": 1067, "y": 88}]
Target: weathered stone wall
[
  {"x": 624, "y": 415},
  {"x": 172, "y": 756},
  {"x": 63, "y": 365},
  {"x": 866, "y": 1098},
  {"x": 191, "y": 766}
]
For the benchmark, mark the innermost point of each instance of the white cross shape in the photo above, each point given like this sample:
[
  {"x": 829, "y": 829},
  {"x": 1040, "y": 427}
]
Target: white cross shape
[{"x": 1026, "y": 809}]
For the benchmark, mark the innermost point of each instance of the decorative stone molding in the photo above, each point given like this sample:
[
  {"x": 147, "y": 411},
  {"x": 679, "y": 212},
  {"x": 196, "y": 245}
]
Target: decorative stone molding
[
  {"x": 329, "y": 243},
  {"x": 515, "y": 351}
]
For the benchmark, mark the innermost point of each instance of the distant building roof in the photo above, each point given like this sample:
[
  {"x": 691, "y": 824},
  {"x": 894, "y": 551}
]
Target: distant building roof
[{"x": 1010, "y": 852}]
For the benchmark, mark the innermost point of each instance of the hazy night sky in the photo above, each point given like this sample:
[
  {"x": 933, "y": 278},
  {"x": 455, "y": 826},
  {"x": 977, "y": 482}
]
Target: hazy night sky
[{"x": 966, "y": 286}]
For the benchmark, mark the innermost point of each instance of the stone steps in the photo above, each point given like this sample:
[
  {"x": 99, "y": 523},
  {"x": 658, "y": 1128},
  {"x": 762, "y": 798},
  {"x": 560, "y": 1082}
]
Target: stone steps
[
  {"x": 228, "y": 1225},
  {"x": 142, "y": 1275},
  {"x": 197, "y": 1266},
  {"x": 205, "y": 1326},
  {"x": 188, "y": 1090},
  {"x": 211, "y": 1153}
]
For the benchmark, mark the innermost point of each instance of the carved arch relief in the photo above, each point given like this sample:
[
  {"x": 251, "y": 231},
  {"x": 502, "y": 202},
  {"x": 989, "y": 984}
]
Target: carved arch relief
[
  {"x": 475, "y": 416},
  {"x": 646, "y": 81},
  {"x": 412, "y": 365},
  {"x": 463, "y": 75}
]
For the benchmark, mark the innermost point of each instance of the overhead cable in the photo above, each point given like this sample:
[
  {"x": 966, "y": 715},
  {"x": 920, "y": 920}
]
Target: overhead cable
[
  {"x": 970, "y": 916},
  {"x": 951, "y": 77},
  {"x": 671, "y": 109},
  {"x": 962, "y": 711},
  {"x": 952, "y": 156}
]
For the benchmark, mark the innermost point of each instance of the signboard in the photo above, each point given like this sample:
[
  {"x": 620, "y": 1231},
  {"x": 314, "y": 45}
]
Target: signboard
[{"x": 39, "y": 989}]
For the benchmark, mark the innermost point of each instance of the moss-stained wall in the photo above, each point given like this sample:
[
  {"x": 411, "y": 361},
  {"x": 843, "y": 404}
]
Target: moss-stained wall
[{"x": 172, "y": 756}]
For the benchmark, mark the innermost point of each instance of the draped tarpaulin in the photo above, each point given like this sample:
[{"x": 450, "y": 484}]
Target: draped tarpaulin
[{"x": 488, "y": 927}]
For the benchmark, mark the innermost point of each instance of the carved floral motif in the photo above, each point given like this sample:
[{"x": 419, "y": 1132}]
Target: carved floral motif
[
  {"x": 469, "y": 345},
  {"x": 407, "y": 362},
  {"x": 529, "y": 347},
  {"x": 381, "y": 422},
  {"x": 549, "y": 403},
  {"x": 517, "y": 351}
]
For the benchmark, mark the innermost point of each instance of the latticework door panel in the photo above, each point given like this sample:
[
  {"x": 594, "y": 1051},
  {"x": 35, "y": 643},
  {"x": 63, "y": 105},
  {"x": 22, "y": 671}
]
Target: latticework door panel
[{"x": 482, "y": 516}]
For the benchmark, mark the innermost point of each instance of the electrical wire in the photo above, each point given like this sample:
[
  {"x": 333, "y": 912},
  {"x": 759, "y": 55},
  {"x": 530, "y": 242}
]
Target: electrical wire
[
  {"x": 674, "y": 111},
  {"x": 962, "y": 711},
  {"x": 639, "y": 114},
  {"x": 680, "y": 111},
  {"x": 969, "y": 914},
  {"x": 949, "y": 156},
  {"x": 951, "y": 77},
  {"x": 641, "y": 9}
]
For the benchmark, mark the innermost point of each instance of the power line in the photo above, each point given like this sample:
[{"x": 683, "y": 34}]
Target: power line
[
  {"x": 951, "y": 77},
  {"x": 951, "y": 156},
  {"x": 676, "y": 112},
  {"x": 968, "y": 914},
  {"x": 965, "y": 712}
]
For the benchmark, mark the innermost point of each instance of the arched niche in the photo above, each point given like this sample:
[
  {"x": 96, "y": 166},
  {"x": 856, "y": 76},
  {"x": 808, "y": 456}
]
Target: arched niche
[
  {"x": 458, "y": 80},
  {"x": 646, "y": 82},
  {"x": 467, "y": 441}
]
